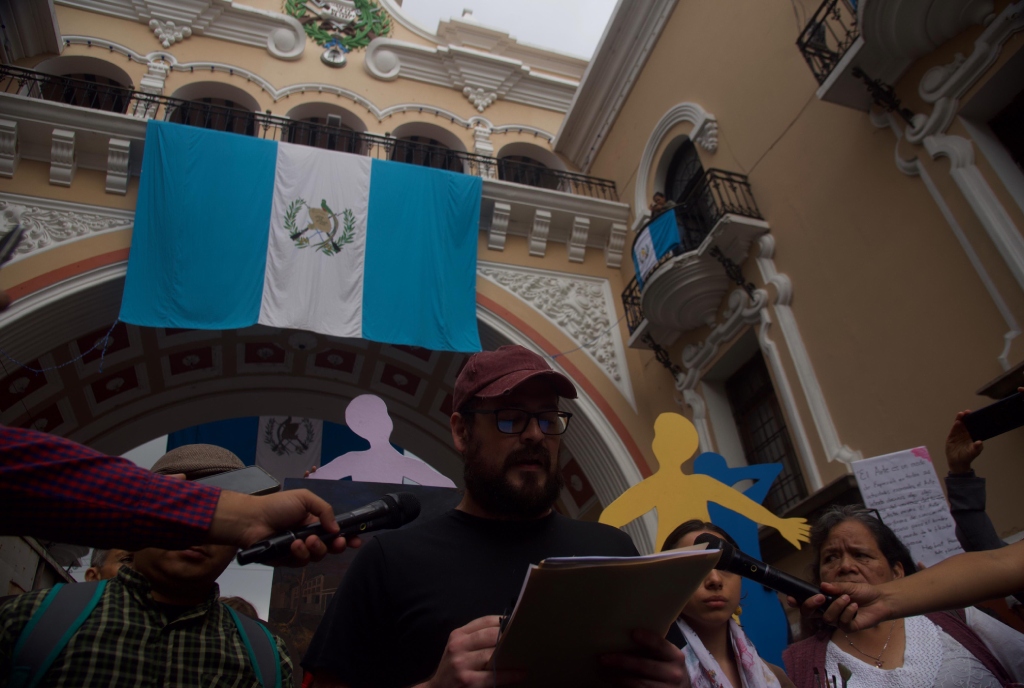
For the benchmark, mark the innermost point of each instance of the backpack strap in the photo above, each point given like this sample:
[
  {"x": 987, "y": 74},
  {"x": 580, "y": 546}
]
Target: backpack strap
[
  {"x": 261, "y": 647},
  {"x": 64, "y": 609}
]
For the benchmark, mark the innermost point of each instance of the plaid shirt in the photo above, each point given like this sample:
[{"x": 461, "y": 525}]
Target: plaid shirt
[
  {"x": 56, "y": 489},
  {"x": 127, "y": 642}
]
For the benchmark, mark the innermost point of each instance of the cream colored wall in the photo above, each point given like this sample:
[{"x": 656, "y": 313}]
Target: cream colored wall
[{"x": 898, "y": 325}]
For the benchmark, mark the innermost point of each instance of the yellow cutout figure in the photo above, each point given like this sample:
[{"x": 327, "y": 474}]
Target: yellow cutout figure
[{"x": 678, "y": 497}]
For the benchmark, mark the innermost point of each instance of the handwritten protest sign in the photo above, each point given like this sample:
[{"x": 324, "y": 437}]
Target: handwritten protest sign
[{"x": 904, "y": 489}]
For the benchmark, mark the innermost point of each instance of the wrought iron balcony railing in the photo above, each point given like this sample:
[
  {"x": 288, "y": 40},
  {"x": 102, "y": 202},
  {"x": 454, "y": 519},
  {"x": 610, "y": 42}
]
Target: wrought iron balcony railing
[
  {"x": 828, "y": 35},
  {"x": 719, "y": 193},
  {"x": 24, "y": 82}
]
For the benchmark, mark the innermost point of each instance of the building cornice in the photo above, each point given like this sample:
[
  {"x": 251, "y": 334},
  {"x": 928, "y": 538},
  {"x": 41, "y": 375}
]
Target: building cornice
[
  {"x": 173, "y": 21},
  {"x": 470, "y": 34},
  {"x": 627, "y": 42},
  {"x": 482, "y": 77}
]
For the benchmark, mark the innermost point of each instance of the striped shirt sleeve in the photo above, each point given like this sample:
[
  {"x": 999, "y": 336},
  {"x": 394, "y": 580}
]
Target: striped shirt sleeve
[{"x": 56, "y": 489}]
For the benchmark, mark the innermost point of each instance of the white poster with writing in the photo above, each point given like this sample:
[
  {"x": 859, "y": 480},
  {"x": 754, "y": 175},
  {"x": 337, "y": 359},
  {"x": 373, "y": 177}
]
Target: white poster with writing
[{"x": 905, "y": 490}]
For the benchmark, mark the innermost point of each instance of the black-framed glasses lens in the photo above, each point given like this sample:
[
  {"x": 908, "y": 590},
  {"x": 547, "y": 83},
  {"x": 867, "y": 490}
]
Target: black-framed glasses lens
[{"x": 514, "y": 421}]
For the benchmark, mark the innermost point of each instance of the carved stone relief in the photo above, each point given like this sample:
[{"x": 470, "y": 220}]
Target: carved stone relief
[
  {"x": 582, "y": 307},
  {"x": 50, "y": 222},
  {"x": 172, "y": 22}
]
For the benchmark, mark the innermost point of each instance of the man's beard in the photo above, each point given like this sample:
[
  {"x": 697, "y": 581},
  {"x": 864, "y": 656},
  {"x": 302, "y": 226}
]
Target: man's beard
[{"x": 496, "y": 494}]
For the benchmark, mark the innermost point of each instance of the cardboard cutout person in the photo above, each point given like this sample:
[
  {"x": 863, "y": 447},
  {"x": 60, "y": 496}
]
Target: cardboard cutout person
[
  {"x": 763, "y": 618},
  {"x": 679, "y": 497},
  {"x": 367, "y": 416}
]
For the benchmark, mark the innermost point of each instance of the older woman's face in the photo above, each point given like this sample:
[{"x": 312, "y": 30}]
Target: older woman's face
[{"x": 851, "y": 554}]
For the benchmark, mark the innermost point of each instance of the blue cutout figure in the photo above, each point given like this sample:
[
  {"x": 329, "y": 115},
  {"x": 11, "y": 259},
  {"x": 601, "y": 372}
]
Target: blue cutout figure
[{"x": 763, "y": 618}]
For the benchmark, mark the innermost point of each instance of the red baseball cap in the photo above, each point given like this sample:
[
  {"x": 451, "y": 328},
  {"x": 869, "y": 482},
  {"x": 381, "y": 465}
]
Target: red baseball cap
[{"x": 491, "y": 374}]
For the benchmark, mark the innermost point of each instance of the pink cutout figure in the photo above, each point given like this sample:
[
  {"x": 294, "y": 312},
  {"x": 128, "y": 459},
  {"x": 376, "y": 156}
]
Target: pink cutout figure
[{"x": 367, "y": 416}]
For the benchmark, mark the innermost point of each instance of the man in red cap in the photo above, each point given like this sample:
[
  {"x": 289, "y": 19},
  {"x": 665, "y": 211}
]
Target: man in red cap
[{"x": 422, "y": 605}]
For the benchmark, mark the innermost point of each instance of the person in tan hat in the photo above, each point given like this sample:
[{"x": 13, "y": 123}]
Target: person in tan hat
[
  {"x": 421, "y": 605},
  {"x": 105, "y": 563},
  {"x": 159, "y": 618}
]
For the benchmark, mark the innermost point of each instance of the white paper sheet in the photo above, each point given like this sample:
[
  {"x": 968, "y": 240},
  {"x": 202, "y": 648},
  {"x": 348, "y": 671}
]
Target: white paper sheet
[{"x": 905, "y": 490}]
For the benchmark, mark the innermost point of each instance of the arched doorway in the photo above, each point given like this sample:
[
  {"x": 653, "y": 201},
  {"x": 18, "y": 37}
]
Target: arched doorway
[{"x": 153, "y": 381}]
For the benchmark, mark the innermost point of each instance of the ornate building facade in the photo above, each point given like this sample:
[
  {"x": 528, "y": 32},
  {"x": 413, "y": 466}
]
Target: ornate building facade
[{"x": 849, "y": 271}]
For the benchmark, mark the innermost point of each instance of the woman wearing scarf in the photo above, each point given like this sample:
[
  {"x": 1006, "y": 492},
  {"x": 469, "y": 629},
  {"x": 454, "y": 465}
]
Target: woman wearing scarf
[{"x": 718, "y": 652}]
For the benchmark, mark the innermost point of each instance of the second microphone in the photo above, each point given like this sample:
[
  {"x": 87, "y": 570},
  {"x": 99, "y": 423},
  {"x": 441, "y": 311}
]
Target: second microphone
[{"x": 391, "y": 511}]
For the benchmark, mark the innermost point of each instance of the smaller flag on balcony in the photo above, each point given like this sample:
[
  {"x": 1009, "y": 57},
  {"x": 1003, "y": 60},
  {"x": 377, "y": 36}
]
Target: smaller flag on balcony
[
  {"x": 231, "y": 231},
  {"x": 654, "y": 241}
]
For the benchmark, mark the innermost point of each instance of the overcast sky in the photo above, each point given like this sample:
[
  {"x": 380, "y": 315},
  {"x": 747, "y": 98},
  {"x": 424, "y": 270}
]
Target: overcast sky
[{"x": 566, "y": 26}]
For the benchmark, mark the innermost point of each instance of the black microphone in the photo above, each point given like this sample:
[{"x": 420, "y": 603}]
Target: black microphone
[
  {"x": 735, "y": 561},
  {"x": 392, "y": 511}
]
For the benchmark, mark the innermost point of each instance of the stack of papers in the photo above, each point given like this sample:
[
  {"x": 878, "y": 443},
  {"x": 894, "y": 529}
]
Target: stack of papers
[{"x": 573, "y": 610}]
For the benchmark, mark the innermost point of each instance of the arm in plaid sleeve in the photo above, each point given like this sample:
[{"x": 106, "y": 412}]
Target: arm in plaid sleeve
[
  {"x": 14, "y": 614},
  {"x": 56, "y": 489}
]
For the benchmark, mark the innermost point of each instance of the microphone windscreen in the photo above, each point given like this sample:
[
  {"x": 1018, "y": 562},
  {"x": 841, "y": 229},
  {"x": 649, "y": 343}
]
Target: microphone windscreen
[
  {"x": 408, "y": 506},
  {"x": 715, "y": 542}
]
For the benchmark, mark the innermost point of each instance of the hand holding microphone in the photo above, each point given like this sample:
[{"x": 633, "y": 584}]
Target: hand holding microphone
[
  {"x": 392, "y": 511},
  {"x": 735, "y": 561}
]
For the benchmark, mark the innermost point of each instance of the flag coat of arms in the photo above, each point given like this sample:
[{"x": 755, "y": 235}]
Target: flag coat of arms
[
  {"x": 654, "y": 241},
  {"x": 231, "y": 231}
]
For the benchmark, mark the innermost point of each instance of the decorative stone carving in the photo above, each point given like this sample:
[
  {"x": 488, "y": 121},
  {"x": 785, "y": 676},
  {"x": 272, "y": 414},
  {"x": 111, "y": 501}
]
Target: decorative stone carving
[
  {"x": 582, "y": 307},
  {"x": 741, "y": 310},
  {"x": 168, "y": 33},
  {"x": 479, "y": 98},
  {"x": 47, "y": 222},
  {"x": 117, "y": 166},
  {"x": 700, "y": 418},
  {"x": 281, "y": 35},
  {"x": 946, "y": 84},
  {"x": 155, "y": 77},
  {"x": 704, "y": 133},
  {"x": 835, "y": 450},
  {"x": 482, "y": 145},
  {"x": 62, "y": 157},
  {"x": 482, "y": 77},
  {"x": 539, "y": 232},
  {"x": 986, "y": 205},
  {"x": 616, "y": 243},
  {"x": 578, "y": 239},
  {"x": 499, "y": 226},
  {"x": 10, "y": 155},
  {"x": 914, "y": 168},
  {"x": 707, "y": 137}
]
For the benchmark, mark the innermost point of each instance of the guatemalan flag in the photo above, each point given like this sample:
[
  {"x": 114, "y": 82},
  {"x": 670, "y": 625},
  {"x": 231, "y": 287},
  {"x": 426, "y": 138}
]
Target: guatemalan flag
[{"x": 231, "y": 231}]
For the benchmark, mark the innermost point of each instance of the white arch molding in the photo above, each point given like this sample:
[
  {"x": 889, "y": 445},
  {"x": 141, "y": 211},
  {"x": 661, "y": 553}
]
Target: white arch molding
[
  {"x": 168, "y": 61},
  {"x": 704, "y": 133},
  {"x": 85, "y": 64},
  {"x": 50, "y": 317}
]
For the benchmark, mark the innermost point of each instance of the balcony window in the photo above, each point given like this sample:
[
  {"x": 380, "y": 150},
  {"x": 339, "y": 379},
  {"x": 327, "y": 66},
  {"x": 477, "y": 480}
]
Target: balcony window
[
  {"x": 520, "y": 169},
  {"x": 682, "y": 182},
  {"x": 86, "y": 90},
  {"x": 428, "y": 152},
  {"x": 214, "y": 113},
  {"x": 317, "y": 132},
  {"x": 763, "y": 433}
]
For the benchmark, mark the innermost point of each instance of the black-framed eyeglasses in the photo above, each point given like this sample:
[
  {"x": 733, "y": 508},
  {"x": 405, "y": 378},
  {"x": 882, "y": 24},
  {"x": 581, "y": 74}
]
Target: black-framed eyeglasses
[{"x": 515, "y": 421}]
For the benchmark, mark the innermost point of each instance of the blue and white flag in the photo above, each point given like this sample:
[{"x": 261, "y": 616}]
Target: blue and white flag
[
  {"x": 654, "y": 241},
  {"x": 231, "y": 231}
]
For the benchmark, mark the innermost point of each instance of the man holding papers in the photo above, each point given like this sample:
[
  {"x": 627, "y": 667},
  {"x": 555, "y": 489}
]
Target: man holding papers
[{"x": 422, "y": 606}]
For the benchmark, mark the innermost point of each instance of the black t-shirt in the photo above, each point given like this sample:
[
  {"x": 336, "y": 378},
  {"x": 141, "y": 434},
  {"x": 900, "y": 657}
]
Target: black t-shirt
[{"x": 407, "y": 590}]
